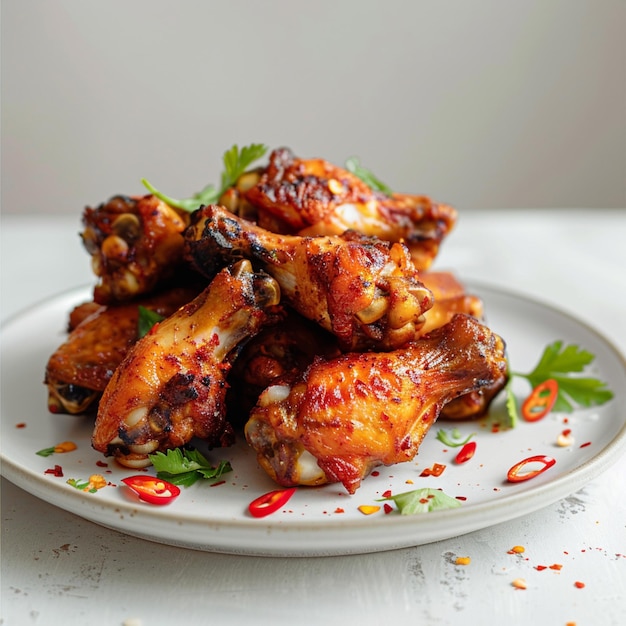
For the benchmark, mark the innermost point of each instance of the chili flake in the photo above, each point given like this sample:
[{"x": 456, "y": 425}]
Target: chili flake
[
  {"x": 556, "y": 566},
  {"x": 57, "y": 471},
  {"x": 436, "y": 470},
  {"x": 368, "y": 509},
  {"x": 579, "y": 585}
]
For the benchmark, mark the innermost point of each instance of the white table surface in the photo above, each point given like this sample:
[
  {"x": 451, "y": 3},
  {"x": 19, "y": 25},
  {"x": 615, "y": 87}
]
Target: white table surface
[{"x": 60, "y": 569}]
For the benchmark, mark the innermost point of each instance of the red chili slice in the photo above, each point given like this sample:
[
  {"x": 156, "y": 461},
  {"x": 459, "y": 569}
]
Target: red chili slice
[
  {"x": 151, "y": 489},
  {"x": 540, "y": 401},
  {"x": 466, "y": 452},
  {"x": 517, "y": 474},
  {"x": 270, "y": 502}
]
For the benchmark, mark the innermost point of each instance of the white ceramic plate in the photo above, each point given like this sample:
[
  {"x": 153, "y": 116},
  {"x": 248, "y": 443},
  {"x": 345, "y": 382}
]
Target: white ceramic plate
[{"x": 317, "y": 521}]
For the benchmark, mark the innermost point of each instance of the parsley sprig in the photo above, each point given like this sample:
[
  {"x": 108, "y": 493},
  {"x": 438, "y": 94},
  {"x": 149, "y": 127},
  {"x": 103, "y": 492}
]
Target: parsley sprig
[
  {"x": 422, "y": 501},
  {"x": 354, "y": 165},
  {"x": 236, "y": 162},
  {"x": 185, "y": 467},
  {"x": 563, "y": 364}
]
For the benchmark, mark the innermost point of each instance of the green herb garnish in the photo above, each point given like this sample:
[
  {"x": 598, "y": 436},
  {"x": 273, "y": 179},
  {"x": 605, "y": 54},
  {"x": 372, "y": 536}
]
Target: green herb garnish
[
  {"x": 147, "y": 319},
  {"x": 81, "y": 485},
  {"x": 236, "y": 162},
  {"x": 453, "y": 440},
  {"x": 185, "y": 467},
  {"x": 46, "y": 451},
  {"x": 423, "y": 501},
  {"x": 562, "y": 364},
  {"x": 354, "y": 165}
]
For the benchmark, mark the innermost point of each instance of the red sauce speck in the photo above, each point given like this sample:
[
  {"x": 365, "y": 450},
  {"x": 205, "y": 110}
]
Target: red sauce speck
[
  {"x": 584, "y": 445},
  {"x": 221, "y": 482},
  {"x": 102, "y": 464},
  {"x": 540, "y": 568},
  {"x": 579, "y": 585},
  {"x": 461, "y": 498},
  {"x": 20, "y": 425},
  {"x": 375, "y": 473}
]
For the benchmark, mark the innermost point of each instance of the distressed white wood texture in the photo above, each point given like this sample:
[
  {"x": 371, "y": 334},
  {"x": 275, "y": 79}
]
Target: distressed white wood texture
[{"x": 60, "y": 569}]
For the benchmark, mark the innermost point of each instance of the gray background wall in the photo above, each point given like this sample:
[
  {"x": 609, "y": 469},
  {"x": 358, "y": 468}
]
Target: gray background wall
[{"x": 486, "y": 103}]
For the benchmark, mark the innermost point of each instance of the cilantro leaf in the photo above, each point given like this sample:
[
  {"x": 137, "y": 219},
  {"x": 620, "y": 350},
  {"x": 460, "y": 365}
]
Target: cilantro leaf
[
  {"x": 185, "y": 467},
  {"x": 147, "y": 319},
  {"x": 236, "y": 162},
  {"x": 354, "y": 166},
  {"x": 563, "y": 364},
  {"x": 423, "y": 501}
]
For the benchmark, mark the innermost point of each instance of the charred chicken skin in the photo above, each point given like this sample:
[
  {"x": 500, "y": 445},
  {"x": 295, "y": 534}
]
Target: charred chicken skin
[
  {"x": 344, "y": 416},
  {"x": 171, "y": 386},
  {"x": 135, "y": 244},
  {"x": 312, "y": 197},
  {"x": 364, "y": 290},
  {"x": 99, "y": 339}
]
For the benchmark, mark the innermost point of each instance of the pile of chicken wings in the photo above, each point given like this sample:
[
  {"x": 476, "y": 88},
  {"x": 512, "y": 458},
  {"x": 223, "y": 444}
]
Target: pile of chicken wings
[{"x": 299, "y": 310}]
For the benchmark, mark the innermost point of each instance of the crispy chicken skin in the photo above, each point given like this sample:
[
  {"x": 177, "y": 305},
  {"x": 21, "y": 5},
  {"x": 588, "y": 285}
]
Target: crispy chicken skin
[
  {"x": 135, "y": 245},
  {"x": 311, "y": 197},
  {"x": 451, "y": 297},
  {"x": 364, "y": 290},
  {"x": 344, "y": 416},
  {"x": 172, "y": 384},
  {"x": 101, "y": 336},
  {"x": 282, "y": 349}
]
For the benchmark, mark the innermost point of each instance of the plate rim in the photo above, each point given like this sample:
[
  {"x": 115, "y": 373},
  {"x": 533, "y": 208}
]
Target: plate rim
[{"x": 538, "y": 497}]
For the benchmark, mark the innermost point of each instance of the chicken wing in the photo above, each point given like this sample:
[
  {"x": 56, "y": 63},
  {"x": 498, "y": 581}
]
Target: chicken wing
[
  {"x": 344, "y": 416},
  {"x": 135, "y": 244},
  {"x": 172, "y": 384},
  {"x": 450, "y": 297},
  {"x": 313, "y": 197},
  {"x": 364, "y": 290},
  {"x": 101, "y": 336},
  {"x": 282, "y": 349}
]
